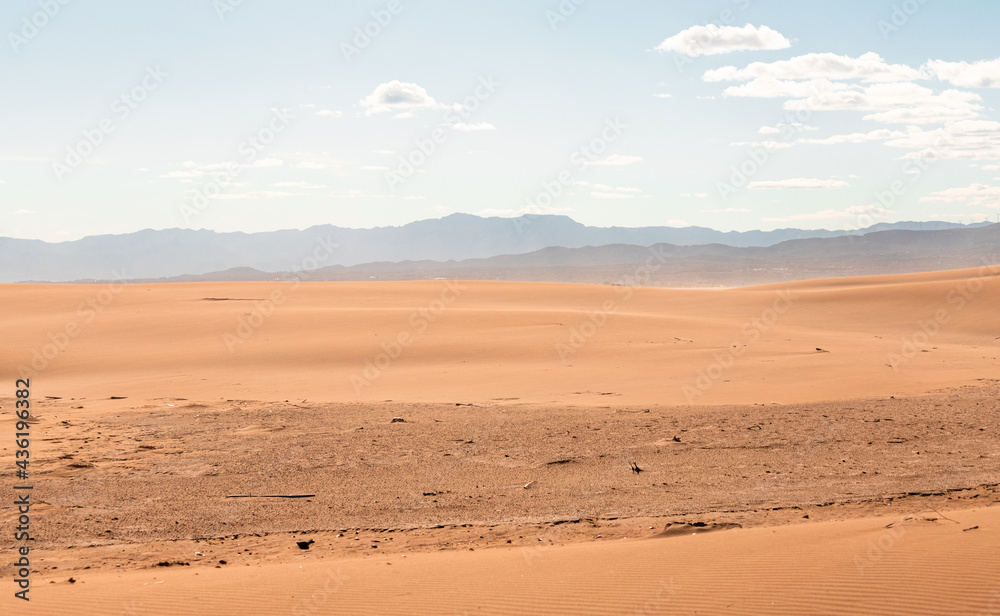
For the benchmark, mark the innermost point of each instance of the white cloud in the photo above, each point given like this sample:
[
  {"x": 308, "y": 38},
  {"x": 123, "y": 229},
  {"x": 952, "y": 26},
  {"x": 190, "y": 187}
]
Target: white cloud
[
  {"x": 769, "y": 87},
  {"x": 792, "y": 127},
  {"x": 604, "y": 191},
  {"x": 710, "y": 40},
  {"x": 256, "y": 194},
  {"x": 969, "y": 139},
  {"x": 876, "y": 135},
  {"x": 898, "y": 102},
  {"x": 801, "y": 183},
  {"x": 606, "y": 188},
  {"x": 978, "y": 195},
  {"x": 663, "y": 95},
  {"x": 867, "y": 67},
  {"x": 466, "y": 127},
  {"x": 310, "y": 165},
  {"x": 700, "y": 195},
  {"x": 303, "y": 185},
  {"x": 24, "y": 159},
  {"x": 355, "y": 194},
  {"x": 982, "y": 74},
  {"x": 374, "y": 168},
  {"x": 330, "y": 113},
  {"x": 728, "y": 210},
  {"x": 23, "y": 212},
  {"x": 612, "y": 195},
  {"x": 178, "y": 175},
  {"x": 267, "y": 162},
  {"x": 769, "y": 145},
  {"x": 398, "y": 96},
  {"x": 616, "y": 160}
]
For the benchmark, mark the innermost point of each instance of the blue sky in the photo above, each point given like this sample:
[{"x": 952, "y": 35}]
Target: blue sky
[{"x": 257, "y": 115}]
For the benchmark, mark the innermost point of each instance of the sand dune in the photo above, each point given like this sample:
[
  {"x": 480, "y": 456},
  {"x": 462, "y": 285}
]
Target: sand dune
[
  {"x": 870, "y": 489},
  {"x": 442, "y": 341},
  {"x": 921, "y": 565}
]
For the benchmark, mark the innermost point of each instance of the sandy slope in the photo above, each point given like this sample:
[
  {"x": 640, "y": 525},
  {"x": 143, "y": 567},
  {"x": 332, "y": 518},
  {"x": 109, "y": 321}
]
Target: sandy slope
[
  {"x": 235, "y": 387},
  {"x": 921, "y": 565},
  {"x": 478, "y": 341}
]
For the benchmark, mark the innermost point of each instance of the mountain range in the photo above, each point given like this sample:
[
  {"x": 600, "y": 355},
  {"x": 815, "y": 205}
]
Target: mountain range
[{"x": 184, "y": 253}]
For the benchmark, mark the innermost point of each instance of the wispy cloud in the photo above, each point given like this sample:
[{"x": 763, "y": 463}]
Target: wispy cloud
[
  {"x": 470, "y": 127},
  {"x": 616, "y": 160},
  {"x": 798, "y": 183},
  {"x": 976, "y": 195}
]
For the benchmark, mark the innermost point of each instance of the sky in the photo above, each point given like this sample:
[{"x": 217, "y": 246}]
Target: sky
[{"x": 257, "y": 115}]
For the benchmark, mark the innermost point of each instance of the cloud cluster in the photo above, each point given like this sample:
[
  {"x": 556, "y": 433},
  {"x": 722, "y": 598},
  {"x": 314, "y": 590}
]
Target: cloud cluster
[
  {"x": 982, "y": 74},
  {"x": 977, "y": 195},
  {"x": 869, "y": 67},
  {"x": 884, "y": 93}
]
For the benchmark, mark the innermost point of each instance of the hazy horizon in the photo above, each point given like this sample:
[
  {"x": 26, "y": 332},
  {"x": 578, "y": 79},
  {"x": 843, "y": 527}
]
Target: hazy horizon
[{"x": 237, "y": 116}]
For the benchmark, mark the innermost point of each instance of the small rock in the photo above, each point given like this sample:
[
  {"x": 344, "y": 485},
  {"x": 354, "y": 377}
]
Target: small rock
[
  {"x": 304, "y": 545},
  {"x": 398, "y": 420}
]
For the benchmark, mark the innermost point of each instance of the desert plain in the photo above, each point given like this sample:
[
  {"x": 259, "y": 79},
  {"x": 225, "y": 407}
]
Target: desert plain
[{"x": 467, "y": 447}]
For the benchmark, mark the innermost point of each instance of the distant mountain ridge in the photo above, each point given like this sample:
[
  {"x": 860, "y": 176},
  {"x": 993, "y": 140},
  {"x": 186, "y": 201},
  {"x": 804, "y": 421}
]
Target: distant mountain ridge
[{"x": 153, "y": 254}]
